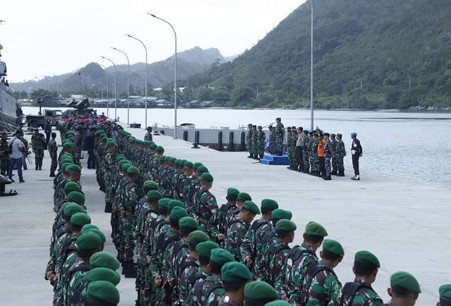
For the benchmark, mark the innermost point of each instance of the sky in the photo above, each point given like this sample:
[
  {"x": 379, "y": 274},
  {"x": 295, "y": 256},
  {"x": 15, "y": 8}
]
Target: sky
[{"x": 52, "y": 37}]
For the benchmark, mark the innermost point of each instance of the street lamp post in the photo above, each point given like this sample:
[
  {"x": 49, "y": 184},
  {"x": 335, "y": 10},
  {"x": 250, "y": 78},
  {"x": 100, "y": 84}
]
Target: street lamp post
[
  {"x": 115, "y": 86},
  {"x": 145, "y": 77},
  {"x": 107, "y": 89},
  {"x": 128, "y": 83},
  {"x": 311, "y": 65},
  {"x": 175, "y": 72}
]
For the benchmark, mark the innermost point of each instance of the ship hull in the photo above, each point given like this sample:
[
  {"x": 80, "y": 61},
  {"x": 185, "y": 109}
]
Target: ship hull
[{"x": 8, "y": 105}]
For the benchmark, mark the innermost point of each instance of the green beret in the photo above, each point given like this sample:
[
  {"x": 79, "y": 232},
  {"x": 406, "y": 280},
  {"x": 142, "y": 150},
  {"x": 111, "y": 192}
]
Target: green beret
[
  {"x": 315, "y": 229},
  {"x": 150, "y": 185},
  {"x": 365, "y": 256},
  {"x": 445, "y": 293},
  {"x": 125, "y": 167},
  {"x": 103, "y": 274},
  {"x": 207, "y": 177},
  {"x": 153, "y": 146},
  {"x": 88, "y": 227},
  {"x": 188, "y": 222},
  {"x": 269, "y": 205},
  {"x": 110, "y": 144},
  {"x": 68, "y": 145},
  {"x": 71, "y": 209},
  {"x": 404, "y": 280},
  {"x": 105, "y": 260},
  {"x": 235, "y": 272},
  {"x": 103, "y": 291},
  {"x": 252, "y": 207},
  {"x": 177, "y": 213},
  {"x": 71, "y": 186},
  {"x": 163, "y": 203},
  {"x": 77, "y": 197},
  {"x": 119, "y": 157},
  {"x": 333, "y": 246},
  {"x": 243, "y": 196},
  {"x": 133, "y": 170},
  {"x": 80, "y": 219},
  {"x": 66, "y": 159},
  {"x": 175, "y": 203},
  {"x": 221, "y": 256},
  {"x": 159, "y": 149},
  {"x": 197, "y": 165},
  {"x": 153, "y": 195},
  {"x": 260, "y": 291},
  {"x": 232, "y": 192},
  {"x": 202, "y": 169},
  {"x": 123, "y": 161},
  {"x": 204, "y": 248},
  {"x": 73, "y": 167},
  {"x": 285, "y": 225},
  {"x": 88, "y": 241},
  {"x": 64, "y": 166},
  {"x": 188, "y": 164},
  {"x": 278, "y": 303},
  {"x": 98, "y": 232},
  {"x": 197, "y": 237},
  {"x": 279, "y": 214}
]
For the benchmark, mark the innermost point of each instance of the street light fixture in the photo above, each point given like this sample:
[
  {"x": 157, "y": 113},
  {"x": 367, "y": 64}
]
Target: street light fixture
[
  {"x": 128, "y": 83},
  {"x": 145, "y": 76},
  {"x": 311, "y": 66},
  {"x": 175, "y": 71},
  {"x": 107, "y": 86},
  {"x": 115, "y": 86}
]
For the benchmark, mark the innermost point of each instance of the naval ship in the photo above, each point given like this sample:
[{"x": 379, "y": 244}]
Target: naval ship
[{"x": 8, "y": 104}]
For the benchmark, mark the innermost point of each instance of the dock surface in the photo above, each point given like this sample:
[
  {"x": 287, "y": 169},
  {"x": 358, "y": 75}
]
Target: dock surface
[{"x": 404, "y": 222}]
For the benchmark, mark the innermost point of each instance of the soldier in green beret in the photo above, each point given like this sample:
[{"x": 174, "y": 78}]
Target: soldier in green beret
[
  {"x": 204, "y": 203},
  {"x": 290, "y": 280},
  {"x": 278, "y": 303},
  {"x": 259, "y": 293},
  {"x": 218, "y": 221},
  {"x": 404, "y": 289},
  {"x": 102, "y": 274},
  {"x": 360, "y": 292},
  {"x": 234, "y": 276},
  {"x": 104, "y": 259},
  {"x": 445, "y": 295},
  {"x": 252, "y": 245},
  {"x": 321, "y": 285},
  {"x": 101, "y": 293}
]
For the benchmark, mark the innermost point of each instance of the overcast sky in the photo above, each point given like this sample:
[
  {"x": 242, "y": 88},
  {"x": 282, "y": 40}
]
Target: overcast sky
[{"x": 50, "y": 37}]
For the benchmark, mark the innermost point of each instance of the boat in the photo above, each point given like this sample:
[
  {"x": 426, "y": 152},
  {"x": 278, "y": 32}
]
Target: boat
[{"x": 8, "y": 104}]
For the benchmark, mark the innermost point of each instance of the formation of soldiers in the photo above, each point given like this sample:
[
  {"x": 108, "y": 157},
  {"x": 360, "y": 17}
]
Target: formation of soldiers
[{"x": 184, "y": 249}]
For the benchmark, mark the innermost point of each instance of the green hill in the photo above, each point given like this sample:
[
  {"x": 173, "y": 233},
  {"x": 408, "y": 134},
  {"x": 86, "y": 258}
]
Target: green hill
[{"x": 368, "y": 54}]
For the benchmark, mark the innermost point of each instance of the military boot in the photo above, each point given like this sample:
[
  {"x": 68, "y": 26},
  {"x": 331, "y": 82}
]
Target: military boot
[
  {"x": 108, "y": 207},
  {"x": 129, "y": 270}
]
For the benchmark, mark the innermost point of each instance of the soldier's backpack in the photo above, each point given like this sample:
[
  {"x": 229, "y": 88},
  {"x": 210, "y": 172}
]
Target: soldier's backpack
[
  {"x": 312, "y": 271},
  {"x": 350, "y": 290},
  {"x": 273, "y": 250},
  {"x": 164, "y": 241},
  {"x": 77, "y": 297},
  {"x": 202, "y": 291},
  {"x": 296, "y": 254}
]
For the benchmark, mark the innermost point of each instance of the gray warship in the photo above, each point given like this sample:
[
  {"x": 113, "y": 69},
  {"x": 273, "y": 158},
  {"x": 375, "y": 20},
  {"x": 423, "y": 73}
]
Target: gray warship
[{"x": 8, "y": 104}]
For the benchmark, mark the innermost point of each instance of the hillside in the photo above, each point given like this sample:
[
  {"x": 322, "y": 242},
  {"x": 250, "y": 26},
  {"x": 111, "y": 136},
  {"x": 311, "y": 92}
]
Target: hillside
[
  {"x": 368, "y": 54},
  {"x": 92, "y": 78}
]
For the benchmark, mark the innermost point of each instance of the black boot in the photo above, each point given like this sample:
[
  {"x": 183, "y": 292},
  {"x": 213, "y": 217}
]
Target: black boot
[
  {"x": 130, "y": 270},
  {"x": 108, "y": 207},
  {"x": 52, "y": 174}
]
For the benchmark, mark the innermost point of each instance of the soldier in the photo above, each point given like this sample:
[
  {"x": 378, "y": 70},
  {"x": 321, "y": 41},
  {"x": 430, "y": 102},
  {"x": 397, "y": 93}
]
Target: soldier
[
  {"x": 334, "y": 158},
  {"x": 328, "y": 154},
  {"x": 313, "y": 155},
  {"x": 249, "y": 136},
  {"x": 292, "y": 144},
  {"x": 253, "y": 242},
  {"x": 404, "y": 289},
  {"x": 321, "y": 285},
  {"x": 339, "y": 156},
  {"x": 261, "y": 138},
  {"x": 272, "y": 137},
  {"x": 231, "y": 214},
  {"x": 254, "y": 142},
  {"x": 279, "y": 136},
  {"x": 360, "y": 292},
  {"x": 234, "y": 276},
  {"x": 299, "y": 150},
  {"x": 259, "y": 293},
  {"x": 290, "y": 280},
  {"x": 38, "y": 145},
  {"x": 278, "y": 250},
  {"x": 237, "y": 228},
  {"x": 4, "y": 154},
  {"x": 218, "y": 221},
  {"x": 357, "y": 151},
  {"x": 445, "y": 295},
  {"x": 306, "y": 149},
  {"x": 101, "y": 293},
  {"x": 289, "y": 150},
  {"x": 148, "y": 135},
  {"x": 53, "y": 151},
  {"x": 206, "y": 206},
  {"x": 321, "y": 155},
  {"x": 210, "y": 291}
]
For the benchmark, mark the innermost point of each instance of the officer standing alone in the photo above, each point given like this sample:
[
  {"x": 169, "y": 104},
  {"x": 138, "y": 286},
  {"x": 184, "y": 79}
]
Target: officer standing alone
[{"x": 356, "y": 150}]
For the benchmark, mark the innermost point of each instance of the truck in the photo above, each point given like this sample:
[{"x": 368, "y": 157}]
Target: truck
[{"x": 36, "y": 121}]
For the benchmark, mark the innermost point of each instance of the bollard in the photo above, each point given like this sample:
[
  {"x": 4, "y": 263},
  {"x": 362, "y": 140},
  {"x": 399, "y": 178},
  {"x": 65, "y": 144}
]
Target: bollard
[
  {"x": 243, "y": 141},
  {"x": 196, "y": 137},
  {"x": 185, "y": 135},
  {"x": 231, "y": 144},
  {"x": 221, "y": 147}
]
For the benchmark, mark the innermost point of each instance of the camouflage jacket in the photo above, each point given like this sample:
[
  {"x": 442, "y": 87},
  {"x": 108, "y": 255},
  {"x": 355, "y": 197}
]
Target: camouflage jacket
[
  {"x": 208, "y": 292},
  {"x": 274, "y": 258},
  {"x": 236, "y": 232},
  {"x": 218, "y": 221},
  {"x": 359, "y": 294},
  {"x": 321, "y": 287}
]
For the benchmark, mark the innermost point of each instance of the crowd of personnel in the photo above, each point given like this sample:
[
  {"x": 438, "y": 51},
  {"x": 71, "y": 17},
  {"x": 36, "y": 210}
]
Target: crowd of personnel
[
  {"x": 313, "y": 152},
  {"x": 184, "y": 249}
]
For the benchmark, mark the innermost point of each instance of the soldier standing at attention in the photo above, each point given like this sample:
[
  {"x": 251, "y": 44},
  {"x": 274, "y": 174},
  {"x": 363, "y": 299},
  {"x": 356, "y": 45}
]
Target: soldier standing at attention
[
  {"x": 334, "y": 158},
  {"x": 289, "y": 150},
  {"x": 53, "y": 151},
  {"x": 234, "y": 276},
  {"x": 254, "y": 142},
  {"x": 404, "y": 289},
  {"x": 359, "y": 292},
  {"x": 445, "y": 295},
  {"x": 249, "y": 140},
  {"x": 258, "y": 293},
  {"x": 356, "y": 150},
  {"x": 299, "y": 150},
  {"x": 218, "y": 222},
  {"x": 328, "y": 154},
  {"x": 306, "y": 150},
  {"x": 272, "y": 137},
  {"x": 261, "y": 137},
  {"x": 148, "y": 135},
  {"x": 340, "y": 153},
  {"x": 279, "y": 136}
]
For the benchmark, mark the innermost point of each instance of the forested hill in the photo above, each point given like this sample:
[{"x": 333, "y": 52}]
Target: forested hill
[{"x": 368, "y": 54}]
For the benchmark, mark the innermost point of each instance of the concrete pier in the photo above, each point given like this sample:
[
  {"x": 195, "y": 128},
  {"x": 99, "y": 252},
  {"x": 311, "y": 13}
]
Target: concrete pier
[{"x": 404, "y": 222}]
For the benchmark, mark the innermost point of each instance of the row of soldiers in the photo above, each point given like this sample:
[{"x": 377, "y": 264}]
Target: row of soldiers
[
  {"x": 80, "y": 272},
  {"x": 189, "y": 251}
]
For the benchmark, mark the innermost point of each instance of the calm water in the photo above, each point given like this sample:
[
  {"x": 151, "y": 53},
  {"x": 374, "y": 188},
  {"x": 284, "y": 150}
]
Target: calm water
[{"x": 412, "y": 145}]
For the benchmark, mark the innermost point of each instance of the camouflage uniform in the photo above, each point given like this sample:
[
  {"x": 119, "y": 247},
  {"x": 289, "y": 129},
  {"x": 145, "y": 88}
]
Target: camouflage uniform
[
  {"x": 77, "y": 283},
  {"x": 249, "y": 142},
  {"x": 339, "y": 156},
  {"x": 314, "y": 160},
  {"x": 289, "y": 150},
  {"x": 53, "y": 151},
  {"x": 190, "y": 274},
  {"x": 328, "y": 153},
  {"x": 334, "y": 158},
  {"x": 254, "y": 143},
  {"x": 4, "y": 157},
  {"x": 278, "y": 140},
  {"x": 359, "y": 294},
  {"x": 39, "y": 146},
  {"x": 204, "y": 208},
  {"x": 208, "y": 292},
  {"x": 236, "y": 230},
  {"x": 218, "y": 221},
  {"x": 305, "y": 153},
  {"x": 274, "y": 258},
  {"x": 321, "y": 287},
  {"x": 261, "y": 137}
]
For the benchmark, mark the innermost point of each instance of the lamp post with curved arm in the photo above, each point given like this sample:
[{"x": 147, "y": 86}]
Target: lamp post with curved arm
[
  {"x": 128, "y": 83},
  {"x": 175, "y": 71},
  {"x": 107, "y": 81},
  {"x": 145, "y": 76},
  {"x": 115, "y": 86}
]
